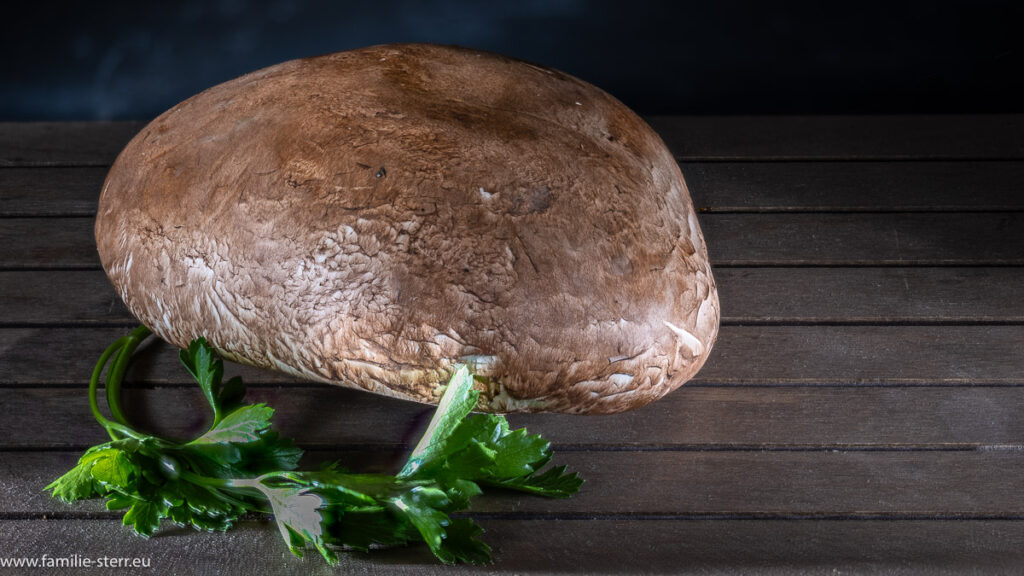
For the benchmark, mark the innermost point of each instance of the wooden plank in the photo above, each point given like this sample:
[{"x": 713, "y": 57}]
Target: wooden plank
[
  {"x": 63, "y": 143},
  {"x": 50, "y": 191},
  {"x": 70, "y": 354},
  {"x": 745, "y": 355},
  {"x": 667, "y": 483},
  {"x": 870, "y": 295},
  {"x": 599, "y": 546},
  {"x": 865, "y": 355},
  {"x": 865, "y": 239},
  {"x": 691, "y": 418},
  {"x": 961, "y": 137},
  {"x": 48, "y": 243},
  {"x": 900, "y": 239},
  {"x": 855, "y": 186},
  {"x": 715, "y": 187},
  {"x": 61, "y": 297},
  {"x": 983, "y": 137},
  {"x": 748, "y": 296}
]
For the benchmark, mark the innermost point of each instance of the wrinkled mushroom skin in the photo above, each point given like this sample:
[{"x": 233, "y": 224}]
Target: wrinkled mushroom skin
[{"x": 372, "y": 218}]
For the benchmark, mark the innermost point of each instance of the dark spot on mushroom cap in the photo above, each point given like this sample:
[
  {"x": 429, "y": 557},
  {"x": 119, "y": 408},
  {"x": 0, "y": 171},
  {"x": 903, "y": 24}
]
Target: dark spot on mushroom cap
[
  {"x": 540, "y": 199},
  {"x": 534, "y": 200}
]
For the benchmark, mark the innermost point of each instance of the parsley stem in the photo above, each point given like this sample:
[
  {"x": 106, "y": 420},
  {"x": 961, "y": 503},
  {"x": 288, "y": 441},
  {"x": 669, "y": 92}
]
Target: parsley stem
[
  {"x": 94, "y": 384},
  {"x": 113, "y": 381},
  {"x": 243, "y": 486},
  {"x": 116, "y": 374},
  {"x": 206, "y": 480}
]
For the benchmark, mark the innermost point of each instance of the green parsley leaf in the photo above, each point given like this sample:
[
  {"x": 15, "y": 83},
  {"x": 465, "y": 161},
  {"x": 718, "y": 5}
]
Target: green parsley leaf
[
  {"x": 79, "y": 483},
  {"x": 462, "y": 543},
  {"x": 119, "y": 502},
  {"x": 242, "y": 465},
  {"x": 242, "y": 425},
  {"x": 75, "y": 484},
  {"x": 185, "y": 516},
  {"x": 553, "y": 483},
  {"x": 203, "y": 363},
  {"x": 423, "y": 506},
  {"x": 297, "y": 513},
  {"x": 362, "y": 529},
  {"x": 111, "y": 466},
  {"x": 145, "y": 517},
  {"x": 458, "y": 400},
  {"x": 231, "y": 394},
  {"x": 269, "y": 454},
  {"x": 517, "y": 452}
]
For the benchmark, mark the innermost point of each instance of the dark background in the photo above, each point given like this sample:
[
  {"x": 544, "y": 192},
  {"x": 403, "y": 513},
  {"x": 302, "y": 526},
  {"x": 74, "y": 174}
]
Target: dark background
[{"x": 132, "y": 60}]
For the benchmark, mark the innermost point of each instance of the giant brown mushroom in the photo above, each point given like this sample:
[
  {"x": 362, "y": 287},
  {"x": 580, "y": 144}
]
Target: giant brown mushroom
[{"x": 374, "y": 218}]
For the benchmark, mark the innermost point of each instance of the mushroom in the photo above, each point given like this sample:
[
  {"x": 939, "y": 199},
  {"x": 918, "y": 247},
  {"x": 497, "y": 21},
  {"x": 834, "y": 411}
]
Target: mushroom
[{"x": 374, "y": 218}]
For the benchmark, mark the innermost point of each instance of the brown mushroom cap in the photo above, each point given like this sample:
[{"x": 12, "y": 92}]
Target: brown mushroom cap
[{"x": 373, "y": 218}]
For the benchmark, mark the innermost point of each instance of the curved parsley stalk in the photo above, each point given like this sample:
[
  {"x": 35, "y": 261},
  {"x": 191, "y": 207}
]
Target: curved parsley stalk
[{"x": 241, "y": 465}]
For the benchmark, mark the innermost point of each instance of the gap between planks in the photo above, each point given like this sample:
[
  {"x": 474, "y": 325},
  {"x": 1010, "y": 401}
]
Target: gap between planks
[
  {"x": 702, "y": 483},
  {"x": 947, "y": 296},
  {"x": 608, "y": 516},
  {"x": 586, "y": 546},
  {"x": 847, "y": 355},
  {"x": 748, "y": 240},
  {"x": 707, "y": 138},
  {"x": 755, "y": 187},
  {"x": 692, "y": 418},
  {"x": 572, "y": 448}
]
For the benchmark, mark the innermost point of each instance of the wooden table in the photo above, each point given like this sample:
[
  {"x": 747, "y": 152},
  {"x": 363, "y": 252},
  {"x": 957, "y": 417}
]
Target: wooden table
[{"x": 863, "y": 409}]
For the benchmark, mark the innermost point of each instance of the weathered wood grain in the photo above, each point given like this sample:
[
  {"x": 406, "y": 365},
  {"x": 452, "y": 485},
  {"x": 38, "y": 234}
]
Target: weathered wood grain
[
  {"x": 47, "y": 243},
  {"x": 860, "y": 412},
  {"x": 60, "y": 297},
  {"x": 865, "y": 239},
  {"x": 715, "y": 187},
  {"x": 961, "y": 137},
  {"x": 748, "y": 296},
  {"x": 870, "y": 295},
  {"x": 743, "y": 355},
  {"x": 855, "y": 186},
  {"x": 668, "y": 483},
  {"x": 34, "y": 356},
  {"x": 40, "y": 192},
  {"x": 599, "y": 546},
  {"x": 63, "y": 143},
  {"x": 866, "y": 355},
  {"x": 691, "y": 418},
  {"x": 900, "y": 239}
]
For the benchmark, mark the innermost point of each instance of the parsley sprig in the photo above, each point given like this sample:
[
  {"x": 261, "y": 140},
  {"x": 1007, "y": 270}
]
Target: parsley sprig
[{"x": 241, "y": 465}]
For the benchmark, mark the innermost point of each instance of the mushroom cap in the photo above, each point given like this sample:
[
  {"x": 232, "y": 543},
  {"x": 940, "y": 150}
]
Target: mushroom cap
[{"x": 374, "y": 218}]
